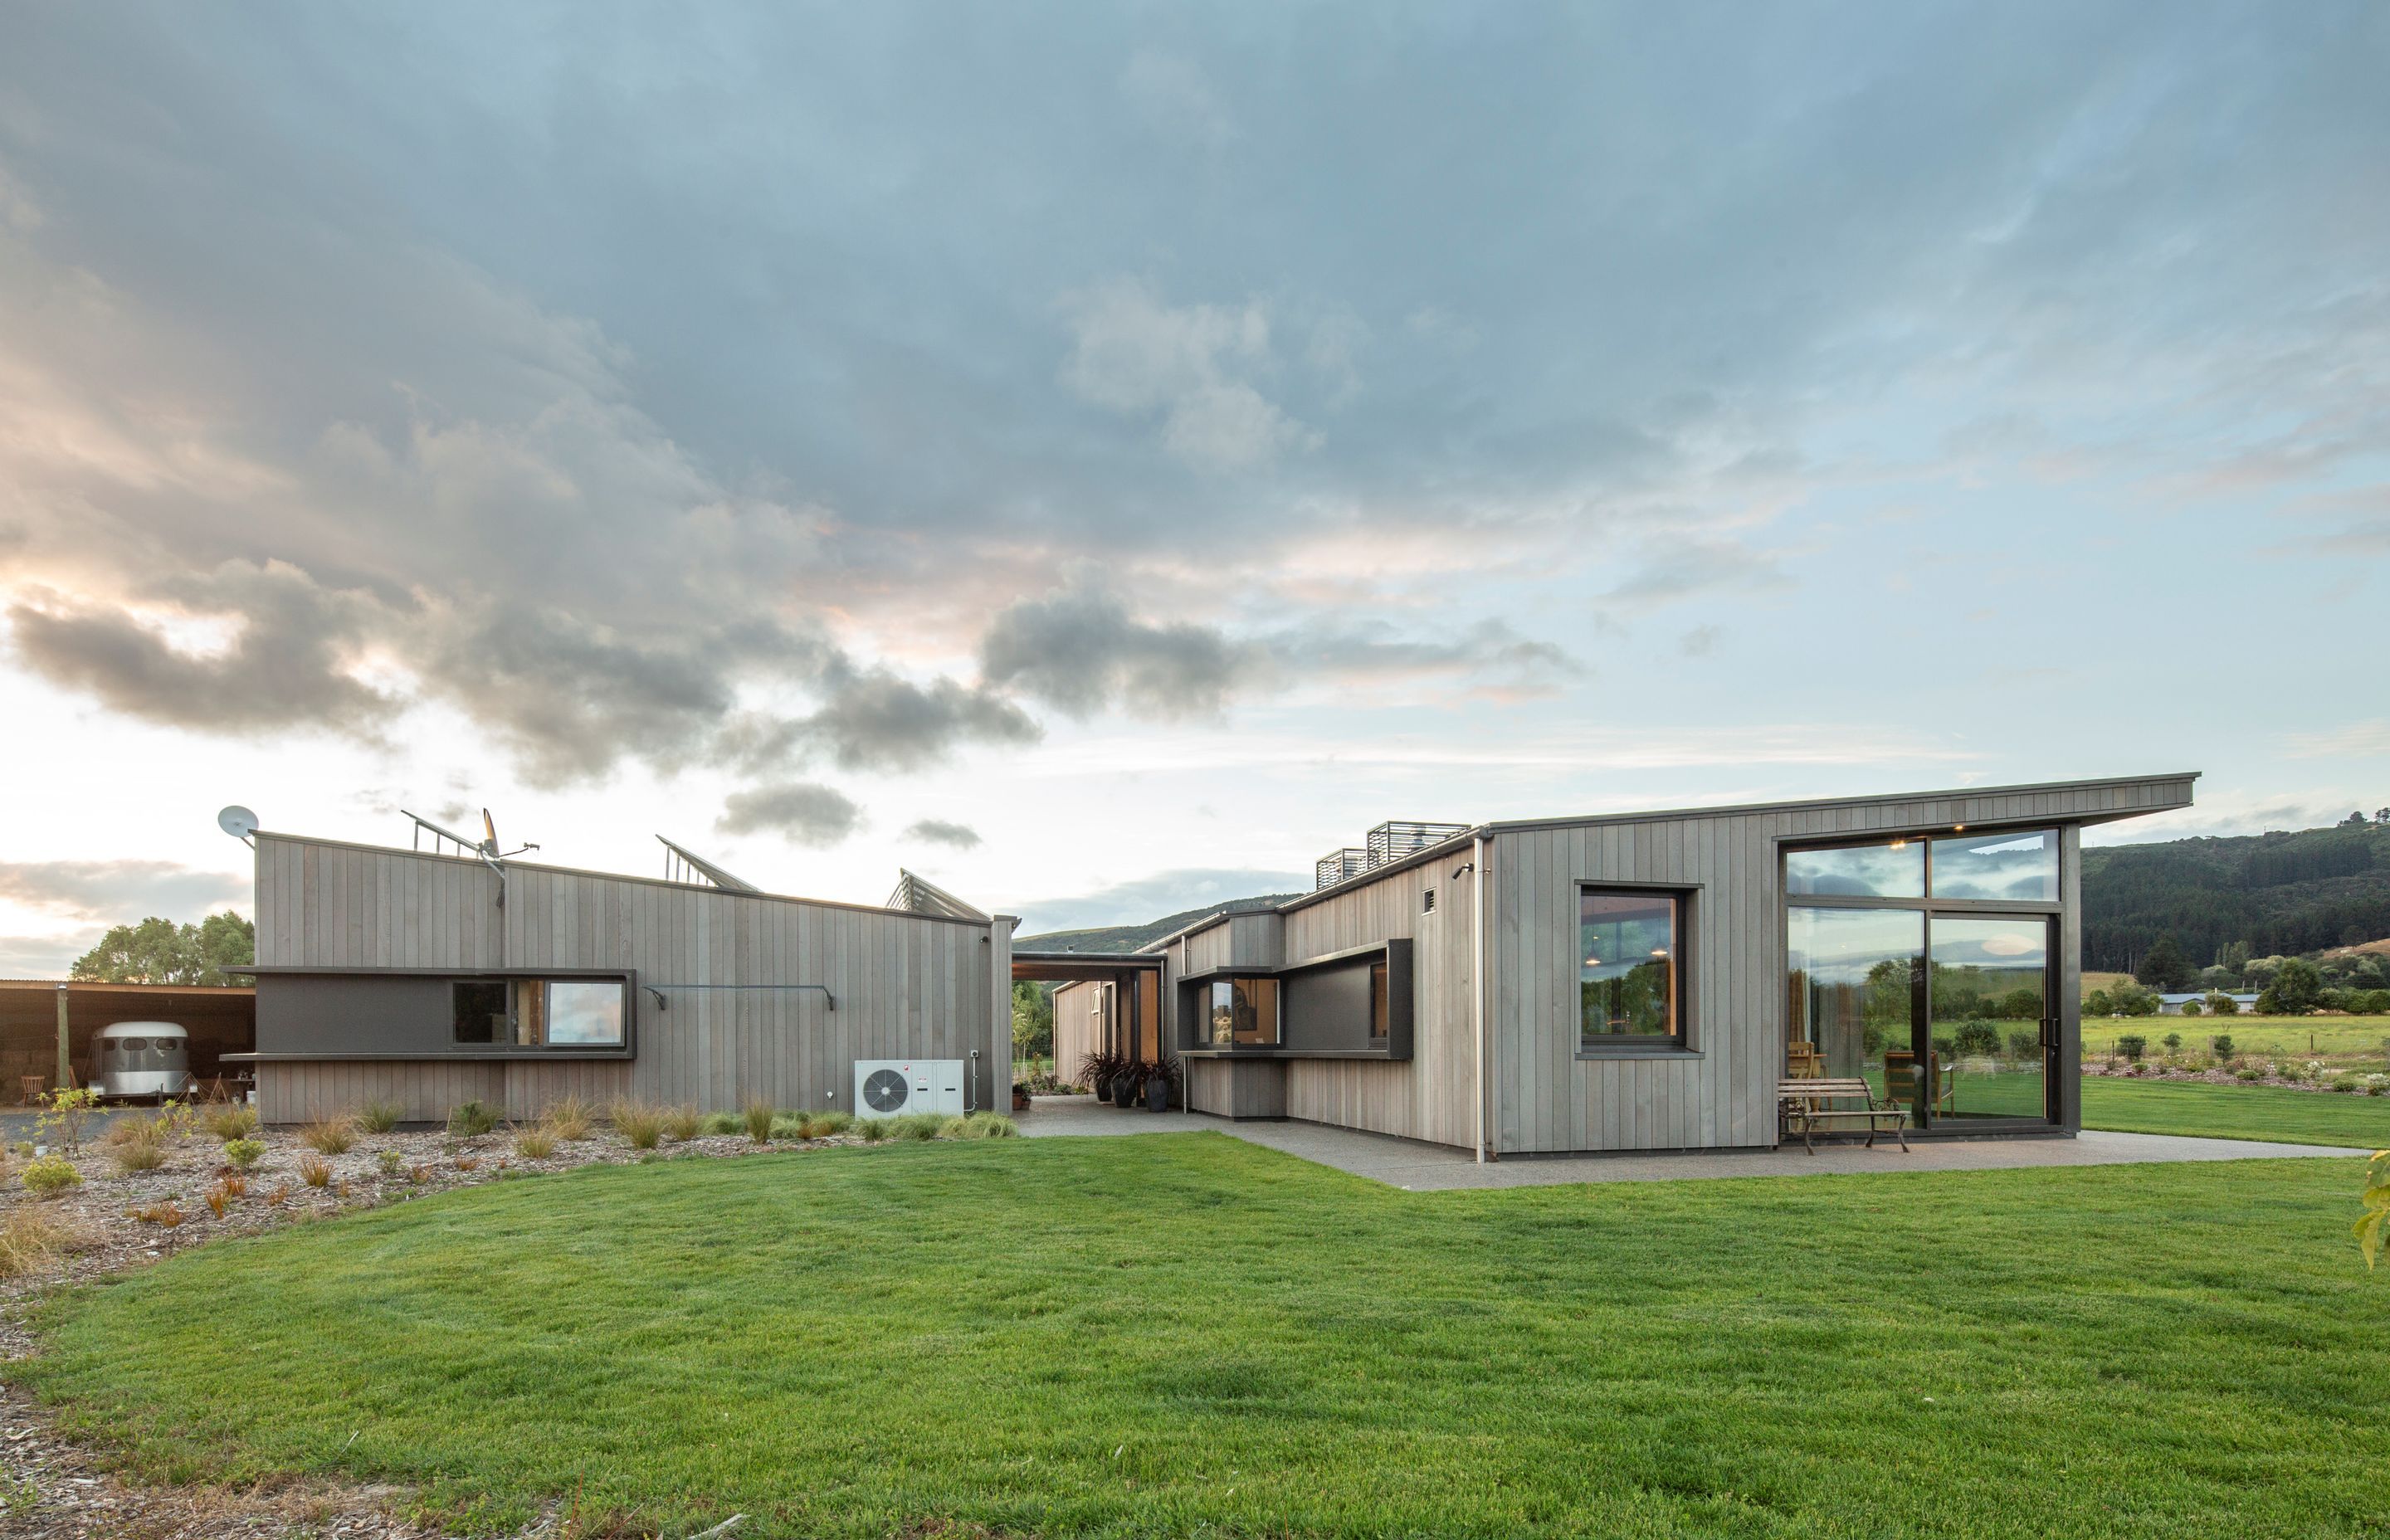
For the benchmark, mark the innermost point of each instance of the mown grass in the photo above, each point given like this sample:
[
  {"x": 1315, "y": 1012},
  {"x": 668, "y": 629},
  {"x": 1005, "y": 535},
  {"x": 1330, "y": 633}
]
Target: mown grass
[
  {"x": 2235, "y": 1111},
  {"x": 1188, "y": 1334},
  {"x": 2260, "y": 1037}
]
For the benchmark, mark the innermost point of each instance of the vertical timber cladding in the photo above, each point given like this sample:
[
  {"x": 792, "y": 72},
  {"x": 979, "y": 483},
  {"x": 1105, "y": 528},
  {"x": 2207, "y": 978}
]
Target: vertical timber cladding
[
  {"x": 906, "y": 985},
  {"x": 1721, "y": 1093},
  {"x": 1429, "y": 1095}
]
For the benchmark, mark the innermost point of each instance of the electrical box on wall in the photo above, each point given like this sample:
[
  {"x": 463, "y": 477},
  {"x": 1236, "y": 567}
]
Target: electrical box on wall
[{"x": 892, "y": 1087}]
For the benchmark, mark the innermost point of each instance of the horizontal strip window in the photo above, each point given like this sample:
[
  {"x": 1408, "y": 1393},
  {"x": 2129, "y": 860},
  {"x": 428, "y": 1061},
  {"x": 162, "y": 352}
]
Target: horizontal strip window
[{"x": 539, "y": 1013}]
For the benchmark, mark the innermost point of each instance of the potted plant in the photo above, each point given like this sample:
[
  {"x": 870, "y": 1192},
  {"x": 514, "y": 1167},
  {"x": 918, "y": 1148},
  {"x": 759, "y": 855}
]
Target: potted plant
[
  {"x": 1097, "y": 1070},
  {"x": 1126, "y": 1082},
  {"x": 1161, "y": 1086}
]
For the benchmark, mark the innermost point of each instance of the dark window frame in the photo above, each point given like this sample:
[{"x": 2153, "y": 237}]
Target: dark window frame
[
  {"x": 1685, "y": 1043},
  {"x": 510, "y": 984}
]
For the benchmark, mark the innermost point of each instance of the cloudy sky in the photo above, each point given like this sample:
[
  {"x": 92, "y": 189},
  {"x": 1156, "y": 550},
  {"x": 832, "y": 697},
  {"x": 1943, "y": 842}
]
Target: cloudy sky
[{"x": 1103, "y": 458}]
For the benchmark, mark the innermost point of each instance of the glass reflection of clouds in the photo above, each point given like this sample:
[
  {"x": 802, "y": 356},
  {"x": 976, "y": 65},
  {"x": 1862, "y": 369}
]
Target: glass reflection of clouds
[
  {"x": 1894, "y": 871},
  {"x": 2021, "y": 868}
]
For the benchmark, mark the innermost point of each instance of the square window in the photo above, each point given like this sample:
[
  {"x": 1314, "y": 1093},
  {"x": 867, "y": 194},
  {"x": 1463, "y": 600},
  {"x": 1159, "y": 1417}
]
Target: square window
[
  {"x": 478, "y": 1007},
  {"x": 584, "y": 1013}
]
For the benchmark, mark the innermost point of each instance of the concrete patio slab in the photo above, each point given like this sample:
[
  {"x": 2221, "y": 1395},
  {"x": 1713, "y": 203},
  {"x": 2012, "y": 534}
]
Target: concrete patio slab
[{"x": 1424, "y": 1168}]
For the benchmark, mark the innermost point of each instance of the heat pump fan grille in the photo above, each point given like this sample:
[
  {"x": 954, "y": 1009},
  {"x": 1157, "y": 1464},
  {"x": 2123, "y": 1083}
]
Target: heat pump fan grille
[{"x": 885, "y": 1091}]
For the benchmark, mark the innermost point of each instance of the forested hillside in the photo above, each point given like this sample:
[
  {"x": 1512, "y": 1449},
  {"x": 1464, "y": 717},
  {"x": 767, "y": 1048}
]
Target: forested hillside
[{"x": 2279, "y": 894}]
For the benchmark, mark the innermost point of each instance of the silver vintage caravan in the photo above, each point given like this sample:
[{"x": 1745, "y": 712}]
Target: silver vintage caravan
[{"x": 142, "y": 1059}]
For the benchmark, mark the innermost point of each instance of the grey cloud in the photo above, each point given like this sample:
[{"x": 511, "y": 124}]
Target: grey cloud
[
  {"x": 1701, "y": 641},
  {"x": 1380, "y": 650},
  {"x": 872, "y": 719},
  {"x": 1079, "y": 649},
  {"x": 938, "y": 831},
  {"x": 802, "y": 813},
  {"x": 1676, "y": 570},
  {"x": 119, "y": 891},
  {"x": 286, "y": 664}
]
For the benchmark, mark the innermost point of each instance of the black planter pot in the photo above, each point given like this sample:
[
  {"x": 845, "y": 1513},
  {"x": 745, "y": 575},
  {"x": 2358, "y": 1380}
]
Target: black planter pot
[
  {"x": 1157, "y": 1095},
  {"x": 1103, "y": 1088},
  {"x": 1125, "y": 1091}
]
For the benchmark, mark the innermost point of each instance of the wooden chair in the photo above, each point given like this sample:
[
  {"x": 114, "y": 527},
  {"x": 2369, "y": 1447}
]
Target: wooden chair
[
  {"x": 1803, "y": 1062},
  {"x": 30, "y": 1089},
  {"x": 1803, "y": 1107}
]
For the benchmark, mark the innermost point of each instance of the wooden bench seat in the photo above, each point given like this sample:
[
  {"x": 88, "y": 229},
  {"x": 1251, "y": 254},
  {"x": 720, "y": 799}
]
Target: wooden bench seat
[{"x": 1804, "y": 1107}]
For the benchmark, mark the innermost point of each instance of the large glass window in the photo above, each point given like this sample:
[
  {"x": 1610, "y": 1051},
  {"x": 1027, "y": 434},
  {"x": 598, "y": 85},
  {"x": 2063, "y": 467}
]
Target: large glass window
[
  {"x": 1627, "y": 977},
  {"x": 584, "y": 1013},
  {"x": 1854, "y": 976},
  {"x": 2019, "y": 867},
  {"x": 1894, "y": 869},
  {"x": 1242, "y": 1013}
]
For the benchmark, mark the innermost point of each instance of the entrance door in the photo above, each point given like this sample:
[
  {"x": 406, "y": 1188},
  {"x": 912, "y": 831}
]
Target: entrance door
[{"x": 1991, "y": 1021}]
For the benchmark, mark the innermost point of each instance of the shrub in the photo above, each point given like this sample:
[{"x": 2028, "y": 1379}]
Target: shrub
[
  {"x": 981, "y": 1125},
  {"x": 2133, "y": 1046},
  {"x": 832, "y": 1123},
  {"x": 791, "y": 1128},
  {"x": 2222, "y": 1043},
  {"x": 380, "y": 1117},
  {"x": 872, "y": 1130},
  {"x": 535, "y": 1143},
  {"x": 2377, "y": 1085},
  {"x": 142, "y": 1152},
  {"x": 570, "y": 1118},
  {"x": 2246, "y": 1073},
  {"x": 644, "y": 1127},
  {"x": 2191, "y": 1008},
  {"x": 390, "y": 1160},
  {"x": 230, "y": 1120},
  {"x": 718, "y": 1123},
  {"x": 2025, "y": 1042},
  {"x": 917, "y": 1125},
  {"x": 329, "y": 1135},
  {"x": 51, "y": 1175},
  {"x": 1977, "y": 1039},
  {"x": 2172, "y": 1040},
  {"x": 683, "y": 1124},
  {"x": 2347, "y": 1083},
  {"x": 470, "y": 1120},
  {"x": 758, "y": 1116},
  {"x": 314, "y": 1171},
  {"x": 31, "y": 1239}
]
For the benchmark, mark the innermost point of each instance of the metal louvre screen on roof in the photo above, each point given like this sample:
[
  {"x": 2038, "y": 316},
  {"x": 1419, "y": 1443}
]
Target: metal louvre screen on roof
[
  {"x": 1393, "y": 840},
  {"x": 1338, "y": 865},
  {"x": 920, "y": 896}
]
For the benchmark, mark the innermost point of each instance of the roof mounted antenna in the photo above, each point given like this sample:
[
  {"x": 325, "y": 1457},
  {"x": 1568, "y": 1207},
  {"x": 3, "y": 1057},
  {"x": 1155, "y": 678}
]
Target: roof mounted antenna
[
  {"x": 239, "y": 822},
  {"x": 484, "y": 850},
  {"x": 686, "y": 866}
]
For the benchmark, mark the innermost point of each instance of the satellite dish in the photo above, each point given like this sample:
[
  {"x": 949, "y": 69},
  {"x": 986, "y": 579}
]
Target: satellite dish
[{"x": 238, "y": 821}]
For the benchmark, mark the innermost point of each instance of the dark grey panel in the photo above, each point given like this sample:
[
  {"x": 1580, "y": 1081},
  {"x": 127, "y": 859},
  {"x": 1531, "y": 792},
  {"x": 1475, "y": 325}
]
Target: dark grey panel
[
  {"x": 352, "y": 1014},
  {"x": 1327, "y": 1008}
]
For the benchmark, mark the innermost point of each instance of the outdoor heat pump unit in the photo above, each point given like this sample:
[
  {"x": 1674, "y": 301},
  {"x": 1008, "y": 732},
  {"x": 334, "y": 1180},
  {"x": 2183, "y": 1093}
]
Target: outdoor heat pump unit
[{"x": 892, "y": 1087}]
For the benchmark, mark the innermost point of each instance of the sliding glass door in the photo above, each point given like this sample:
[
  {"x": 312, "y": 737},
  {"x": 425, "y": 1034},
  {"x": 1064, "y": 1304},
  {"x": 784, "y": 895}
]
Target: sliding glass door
[
  {"x": 1992, "y": 1019},
  {"x": 1924, "y": 967}
]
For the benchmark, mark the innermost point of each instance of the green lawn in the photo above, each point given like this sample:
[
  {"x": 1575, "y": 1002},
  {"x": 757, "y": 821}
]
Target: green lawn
[
  {"x": 2235, "y": 1111},
  {"x": 1185, "y": 1333}
]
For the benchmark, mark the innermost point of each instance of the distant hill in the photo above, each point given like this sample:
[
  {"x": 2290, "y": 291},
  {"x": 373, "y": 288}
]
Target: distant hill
[
  {"x": 1128, "y": 938},
  {"x": 2285, "y": 893}
]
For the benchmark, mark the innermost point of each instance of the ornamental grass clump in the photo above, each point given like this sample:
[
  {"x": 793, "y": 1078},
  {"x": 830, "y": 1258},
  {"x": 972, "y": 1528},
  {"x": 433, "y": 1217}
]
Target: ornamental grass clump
[
  {"x": 31, "y": 1240},
  {"x": 381, "y": 1117},
  {"x": 329, "y": 1135},
  {"x": 570, "y": 1118},
  {"x": 535, "y": 1143},
  {"x": 229, "y": 1121},
  {"x": 917, "y": 1125},
  {"x": 719, "y": 1123},
  {"x": 758, "y": 1116},
  {"x": 980, "y": 1125},
  {"x": 144, "y": 1151},
  {"x": 314, "y": 1171},
  {"x": 871, "y": 1130},
  {"x": 644, "y": 1127},
  {"x": 785, "y": 1127},
  {"x": 683, "y": 1124},
  {"x": 470, "y": 1120}
]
